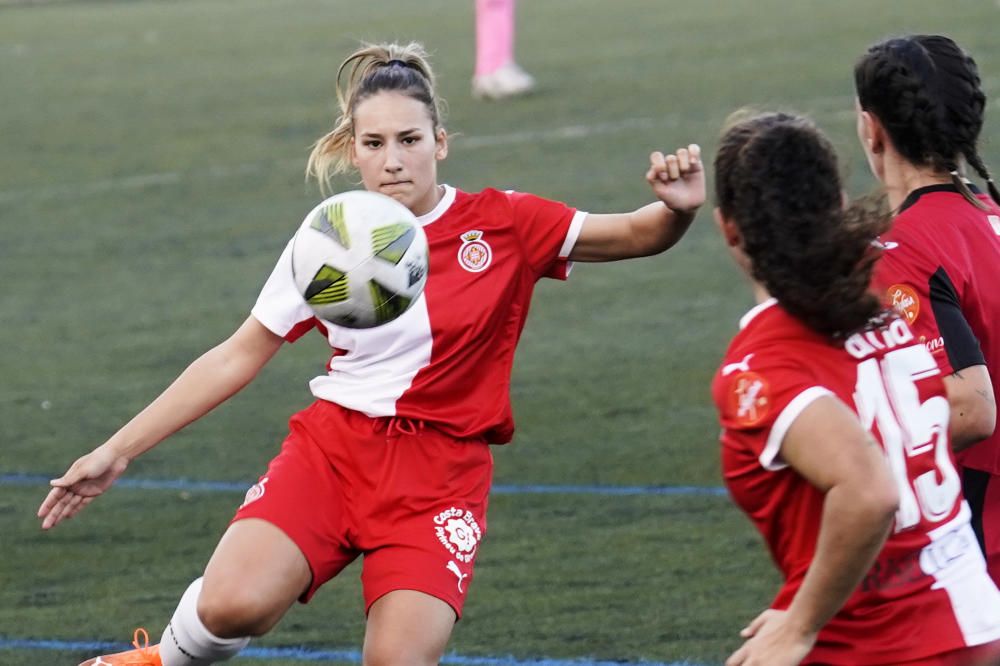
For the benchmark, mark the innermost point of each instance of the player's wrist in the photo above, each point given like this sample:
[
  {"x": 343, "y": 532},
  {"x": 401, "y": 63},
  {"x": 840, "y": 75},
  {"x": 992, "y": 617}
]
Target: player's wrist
[{"x": 680, "y": 211}]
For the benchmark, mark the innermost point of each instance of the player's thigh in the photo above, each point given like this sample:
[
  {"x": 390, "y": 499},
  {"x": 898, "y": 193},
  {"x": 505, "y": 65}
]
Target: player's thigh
[
  {"x": 255, "y": 574},
  {"x": 407, "y": 628}
]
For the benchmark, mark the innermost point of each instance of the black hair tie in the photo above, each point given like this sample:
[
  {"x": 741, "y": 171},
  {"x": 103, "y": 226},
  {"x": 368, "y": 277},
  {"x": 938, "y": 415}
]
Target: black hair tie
[{"x": 396, "y": 63}]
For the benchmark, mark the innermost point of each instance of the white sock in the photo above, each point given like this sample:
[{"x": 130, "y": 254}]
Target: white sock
[{"x": 186, "y": 641}]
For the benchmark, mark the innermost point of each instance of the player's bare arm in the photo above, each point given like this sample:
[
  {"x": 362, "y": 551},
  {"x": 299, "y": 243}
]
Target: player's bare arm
[
  {"x": 678, "y": 180},
  {"x": 973, "y": 406},
  {"x": 828, "y": 447},
  {"x": 211, "y": 379}
]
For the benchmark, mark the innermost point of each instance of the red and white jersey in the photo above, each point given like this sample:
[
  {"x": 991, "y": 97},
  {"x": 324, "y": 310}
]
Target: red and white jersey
[
  {"x": 928, "y": 592},
  {"x": 447, "y": 360},
  {"x": 939, "y": 268}
]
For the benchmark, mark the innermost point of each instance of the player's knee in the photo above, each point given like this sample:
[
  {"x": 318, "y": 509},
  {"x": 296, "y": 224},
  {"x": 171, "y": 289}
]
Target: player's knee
[
  {"x": 236, "y": 612},
  {"x": 396, "y": 654}
]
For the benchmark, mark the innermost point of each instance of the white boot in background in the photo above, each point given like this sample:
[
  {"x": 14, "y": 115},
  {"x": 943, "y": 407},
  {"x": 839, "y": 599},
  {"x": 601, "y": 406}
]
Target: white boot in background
[{"x": 507, "y": 81}]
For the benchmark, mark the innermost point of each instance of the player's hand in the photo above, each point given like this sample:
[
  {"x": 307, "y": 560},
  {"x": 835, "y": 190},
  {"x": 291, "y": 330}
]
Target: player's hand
[
  {"x": 772, "y": 641},
  {"x": 678, "y": 179},
  {"x": 86, "y": 478}
]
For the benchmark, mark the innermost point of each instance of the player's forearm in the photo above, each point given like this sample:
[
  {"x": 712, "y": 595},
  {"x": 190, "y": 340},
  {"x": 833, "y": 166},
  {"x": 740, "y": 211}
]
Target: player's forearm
[
  {"x": 973, "y": 406},
  {"x": 207, "y": 382},
  {"x": 656, "y": 228},
  {"x": 856, "y": 521}
]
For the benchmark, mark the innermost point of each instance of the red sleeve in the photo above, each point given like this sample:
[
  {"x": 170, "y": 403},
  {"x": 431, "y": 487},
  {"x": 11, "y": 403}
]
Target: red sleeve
[
  {"x": 548, "y": 230},
  {"x": 758, "y": 401}
]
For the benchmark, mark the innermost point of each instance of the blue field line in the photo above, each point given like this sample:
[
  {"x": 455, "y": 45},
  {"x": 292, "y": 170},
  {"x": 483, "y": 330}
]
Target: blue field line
[
  {"x": 305, "y": 654},
  {"x": 500, "y": 489}
]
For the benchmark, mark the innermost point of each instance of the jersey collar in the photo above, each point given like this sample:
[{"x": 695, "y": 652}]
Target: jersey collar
[
  {"x": 442, "y": 206},
  {"x": 912, "y": 197},
  {"x": 756, "y": 310}
]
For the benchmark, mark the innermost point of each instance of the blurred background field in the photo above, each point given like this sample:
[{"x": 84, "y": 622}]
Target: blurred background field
[{"x": 151, "y": 158}]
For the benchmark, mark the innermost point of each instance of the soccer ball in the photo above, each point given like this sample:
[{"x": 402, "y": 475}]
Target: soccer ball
[{"x": 360, "y": 259}]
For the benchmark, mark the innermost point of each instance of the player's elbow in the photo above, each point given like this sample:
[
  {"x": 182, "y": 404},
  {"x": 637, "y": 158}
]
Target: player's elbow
[
  {"x": 882, "y": 502},
  {"x": 875, "y": 495}
]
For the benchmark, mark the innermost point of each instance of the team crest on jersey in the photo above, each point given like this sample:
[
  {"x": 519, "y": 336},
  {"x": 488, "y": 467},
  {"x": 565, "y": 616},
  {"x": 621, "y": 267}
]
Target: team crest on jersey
[
  {"x": 905, "y": 300},
  {"x": 255, "y": 493},
  {"x": 475, "y": 254},
  {"x": 749, "y": 401},
  {"x": 458, "y": 532}
]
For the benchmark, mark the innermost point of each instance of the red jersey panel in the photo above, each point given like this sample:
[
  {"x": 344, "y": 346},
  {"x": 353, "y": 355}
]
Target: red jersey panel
[
  {"x": 941, "y": 268},
  {"x": 447, "y": 360},
  {"x": 928, "y": 592}
]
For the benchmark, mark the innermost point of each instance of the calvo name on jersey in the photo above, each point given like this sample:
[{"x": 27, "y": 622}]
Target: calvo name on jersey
[{"x": 866, "y": 343}]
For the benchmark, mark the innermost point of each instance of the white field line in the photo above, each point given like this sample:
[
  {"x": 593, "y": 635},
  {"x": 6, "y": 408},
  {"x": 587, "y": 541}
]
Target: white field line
[
  {"x": 836, "y": 107},
  {"x": 141, "y": 181}
]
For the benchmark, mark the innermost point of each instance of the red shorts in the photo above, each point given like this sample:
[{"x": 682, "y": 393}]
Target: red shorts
[
  {"x": 981, "y": 655},
  {"x": 410, "y": 498}
]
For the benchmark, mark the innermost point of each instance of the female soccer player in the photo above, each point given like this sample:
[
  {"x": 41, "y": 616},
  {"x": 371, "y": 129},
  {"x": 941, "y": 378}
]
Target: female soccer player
[
  {"x": 817, "y": 392},
  {"x": 920, "y": 112},
  {"x": 391, "y": 460}
]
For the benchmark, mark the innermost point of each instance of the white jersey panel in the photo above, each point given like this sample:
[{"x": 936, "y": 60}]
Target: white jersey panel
[
  {"x": 955, "y": 561},
  {"x": 380, "y": 362},
  {"x": 371, "y": 368},
  {"x": 279, "y": 306}
]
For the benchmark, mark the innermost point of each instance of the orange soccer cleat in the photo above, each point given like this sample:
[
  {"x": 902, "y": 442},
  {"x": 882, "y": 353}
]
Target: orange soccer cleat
[{"x": 146, "y": 655}]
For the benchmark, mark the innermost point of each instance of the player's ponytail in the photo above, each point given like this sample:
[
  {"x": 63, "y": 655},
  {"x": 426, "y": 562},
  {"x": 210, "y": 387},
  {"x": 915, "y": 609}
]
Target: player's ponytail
[
  {"x": 777, "y": 179},
  {"x": 926, "y": 92},
  {"x": 374, "y": 68}
]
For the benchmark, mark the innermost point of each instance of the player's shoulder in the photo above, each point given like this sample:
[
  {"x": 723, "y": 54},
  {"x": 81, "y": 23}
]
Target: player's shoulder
[
  {"x": 772, "y": 341},
  {"x": 488, "y": 199}
]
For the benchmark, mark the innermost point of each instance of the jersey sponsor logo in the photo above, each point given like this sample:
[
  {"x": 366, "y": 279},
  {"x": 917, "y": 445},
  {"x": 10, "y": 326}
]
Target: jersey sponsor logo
[
  {"x": 933, "y": 346},
  {"x": 458, "y": 532},
  {"x": 255, "y": 493},
  {"x": 475, "y": 254},
  {"x": 452, "y": 567},
  {"x": 749, "y": 400},
  {"x": 905, "y": 300}
]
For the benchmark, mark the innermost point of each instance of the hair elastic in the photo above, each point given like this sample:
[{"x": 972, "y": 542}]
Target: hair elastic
[{"x": 396, "y": 63}]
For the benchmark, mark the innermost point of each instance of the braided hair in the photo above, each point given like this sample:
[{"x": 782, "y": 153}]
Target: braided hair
[
  {"x": 777, "y": 179},
  {"x": 927, "y": 93}
]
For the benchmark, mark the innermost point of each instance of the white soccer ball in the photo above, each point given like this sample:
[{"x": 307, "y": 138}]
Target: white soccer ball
[{"x": 360, "y": 259}]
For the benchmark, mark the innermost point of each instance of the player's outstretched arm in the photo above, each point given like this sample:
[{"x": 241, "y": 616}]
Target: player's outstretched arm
[
  {"x": 678, "y": 180},
  {"x": 211, "y": 379},
  {"x": 827, "y": 445}
]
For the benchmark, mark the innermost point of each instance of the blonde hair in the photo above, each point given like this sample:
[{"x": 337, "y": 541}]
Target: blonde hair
[{"x": 403, "y": 68}]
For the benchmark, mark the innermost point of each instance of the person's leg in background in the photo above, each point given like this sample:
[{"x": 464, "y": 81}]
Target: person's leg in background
[{"x": 497, "y": 75}]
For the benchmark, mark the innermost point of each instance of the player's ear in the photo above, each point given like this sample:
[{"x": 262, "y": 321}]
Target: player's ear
[
  {"x": 730, "y": 232},
  {"x": 441, "y": 144},
  {"x": 872, "y": 132}
]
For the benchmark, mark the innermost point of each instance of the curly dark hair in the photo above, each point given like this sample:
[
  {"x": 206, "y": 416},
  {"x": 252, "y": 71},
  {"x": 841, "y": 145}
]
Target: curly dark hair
[
  {"x": 777, "y": 178},
  {"x": 926, "y": 92}
]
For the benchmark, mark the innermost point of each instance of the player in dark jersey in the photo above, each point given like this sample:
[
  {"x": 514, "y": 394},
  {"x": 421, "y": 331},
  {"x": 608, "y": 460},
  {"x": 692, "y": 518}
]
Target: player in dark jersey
[
  {"x": 835, "y": 428},
  {"x": 391, "y": 462},
  {"x": 920, "y": 113}
]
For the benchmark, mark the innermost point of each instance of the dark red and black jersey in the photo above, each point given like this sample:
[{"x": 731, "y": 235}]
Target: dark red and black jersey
[{"x": 941, "y": 269}]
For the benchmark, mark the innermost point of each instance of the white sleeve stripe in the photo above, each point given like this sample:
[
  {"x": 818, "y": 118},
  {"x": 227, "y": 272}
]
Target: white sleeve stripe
[
  {"x": 572, "y": 234},
  {"x": 784, "y": 421}
]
